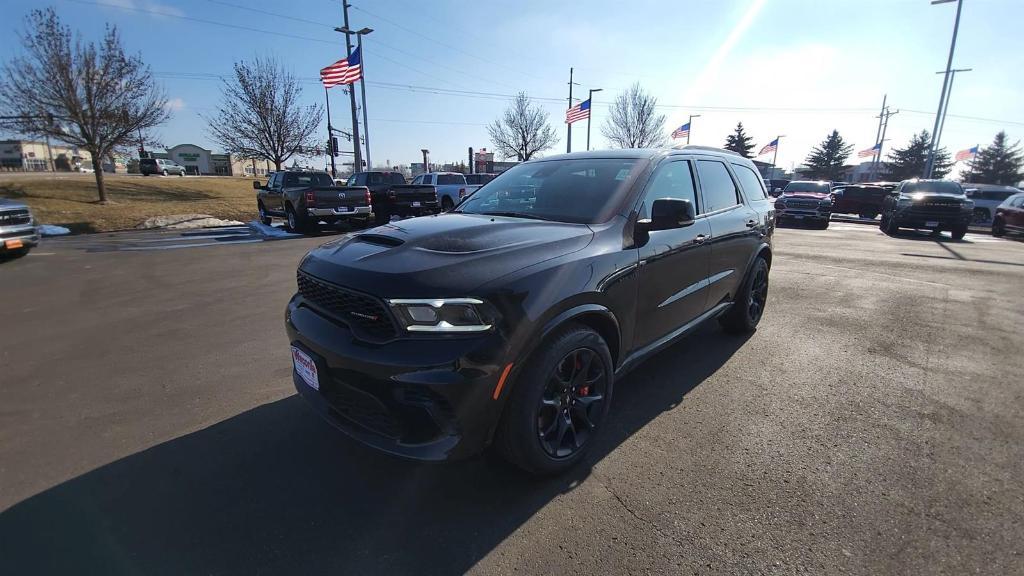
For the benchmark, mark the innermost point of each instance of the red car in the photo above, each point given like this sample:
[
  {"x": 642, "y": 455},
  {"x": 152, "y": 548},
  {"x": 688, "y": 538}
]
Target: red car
[
  {"x": 864, "y": 200},
  {"x": 1009, "y": 216},
  {"x": 805, "y": 201}
]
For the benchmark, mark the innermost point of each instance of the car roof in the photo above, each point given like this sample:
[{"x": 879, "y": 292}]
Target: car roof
[{"x": 648, "y": 153}]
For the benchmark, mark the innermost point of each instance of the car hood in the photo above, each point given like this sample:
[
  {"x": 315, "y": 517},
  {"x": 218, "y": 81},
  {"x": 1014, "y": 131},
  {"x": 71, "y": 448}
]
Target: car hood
[
  {"x": 11, "y": 204},
  {"x": 811, "y": 195},
  {"x": 919, "y": 196},
  {"x": 442, "y": 256}
]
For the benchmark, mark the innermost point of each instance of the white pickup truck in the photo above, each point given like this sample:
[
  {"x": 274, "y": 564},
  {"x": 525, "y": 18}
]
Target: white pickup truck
[{"x": 451, "y": 187}]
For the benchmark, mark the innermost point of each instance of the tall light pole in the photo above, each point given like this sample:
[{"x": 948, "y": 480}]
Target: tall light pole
[
  {"x": 362, "y": 86},
  {"x": 689, "y": 123},
  {"x": 945, "y": 109},
  {"x": 590, "y": 97},
  {"x": 945, "y": 86},
  {"x": 568, "y": 125},
  {"x": 358, "y": 156}
]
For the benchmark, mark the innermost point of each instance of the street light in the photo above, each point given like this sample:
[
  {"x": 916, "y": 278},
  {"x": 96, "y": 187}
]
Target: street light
[
  {"x": 590, "y": 98},
  {"x": 949, "y": 96},
  {"x": 362, "y": 87},
  {"x": 945, "y": 86}
]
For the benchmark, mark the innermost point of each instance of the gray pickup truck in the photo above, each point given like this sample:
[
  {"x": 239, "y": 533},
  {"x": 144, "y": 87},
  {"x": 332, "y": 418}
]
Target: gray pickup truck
[
  {"x": 451, "y": 187},
  {"x": 18, "y": 232},
  {"x": 305, "y": 199}
]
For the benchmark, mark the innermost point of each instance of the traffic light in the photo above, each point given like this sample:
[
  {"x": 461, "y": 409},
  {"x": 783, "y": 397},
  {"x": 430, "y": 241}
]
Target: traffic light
[{"x": 334, "y": 146}]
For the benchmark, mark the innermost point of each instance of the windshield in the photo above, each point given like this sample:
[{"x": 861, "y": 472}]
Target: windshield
[
  {"x": 584, "y": 191},
  {"x": 935, "y": 187},
  {"x": 818, "y": 187}
]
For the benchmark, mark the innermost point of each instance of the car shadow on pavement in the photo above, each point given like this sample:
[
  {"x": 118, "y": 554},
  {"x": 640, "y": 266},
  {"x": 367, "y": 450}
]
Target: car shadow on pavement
[{"x": 277, "y": 490}]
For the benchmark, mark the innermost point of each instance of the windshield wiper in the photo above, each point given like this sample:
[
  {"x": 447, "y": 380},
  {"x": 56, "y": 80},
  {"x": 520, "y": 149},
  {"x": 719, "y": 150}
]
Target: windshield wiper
[{"x": 516, "y": 215}]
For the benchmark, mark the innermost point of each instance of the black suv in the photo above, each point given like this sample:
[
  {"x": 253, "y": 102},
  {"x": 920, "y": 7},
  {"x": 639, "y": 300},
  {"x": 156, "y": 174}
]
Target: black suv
[
  {"x": 936, "y": 205},
  {"x": 509, "y": 319}
]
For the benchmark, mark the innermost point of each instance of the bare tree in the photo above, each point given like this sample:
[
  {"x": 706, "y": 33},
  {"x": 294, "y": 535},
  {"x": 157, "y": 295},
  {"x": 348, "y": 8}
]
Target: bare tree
[
  {"x": 523, "y": 130},
  {"x": 94, "y": 97},
  {"x": 261, "y": 115},
  {"x": 632, "y": 121}
]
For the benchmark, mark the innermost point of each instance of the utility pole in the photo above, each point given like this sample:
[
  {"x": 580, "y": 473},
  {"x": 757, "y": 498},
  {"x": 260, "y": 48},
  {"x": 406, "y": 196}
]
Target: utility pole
[
  {"x": 590, "y": 98},
  {"x": 568, "y": 126},
  {"x": 945, "y": 109},
  {"x": 878, "y": 133},
  {"x": 881, "y": 141},
  {"x": 362, "y": 88},
  {"x": 945, "y": 86},
  {"x": 689, "y": 122},
  {"x": 358, "y": 162},
  {"x": 330, "y": 135}
]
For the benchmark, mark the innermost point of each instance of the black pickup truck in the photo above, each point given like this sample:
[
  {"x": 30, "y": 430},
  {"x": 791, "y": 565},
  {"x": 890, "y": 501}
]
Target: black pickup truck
[
  {"x": 392, "y": 196},
  {"x": 307, "y": 198}
]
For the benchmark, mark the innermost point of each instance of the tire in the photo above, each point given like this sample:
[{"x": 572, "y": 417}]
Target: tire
[
  {"x": 297, "y": 222},
  {"x": 823, "y": 225},
  {"x": 998, "y": 228},
  {"x": 888, "y": 226},
  {"x": 164, "y": 173},
  {"x": 446, "y": 204},
  {"x": 181, "y": 174},
  {"x": 381, "y": 216},
  {"x": 546, "y": 403},
  {"x": 958, "y": 232},
  {"x": 264, "y": 217},
  {"x": 748, "y": 306}
]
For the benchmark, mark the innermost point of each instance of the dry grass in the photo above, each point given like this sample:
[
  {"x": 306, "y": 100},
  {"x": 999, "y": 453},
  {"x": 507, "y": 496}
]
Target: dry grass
[{"x": 70, "y": 199}]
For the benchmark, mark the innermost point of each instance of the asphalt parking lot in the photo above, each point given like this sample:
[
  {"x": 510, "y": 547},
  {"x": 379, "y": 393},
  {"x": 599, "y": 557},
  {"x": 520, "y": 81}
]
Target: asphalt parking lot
[{"x": 871, "y": 425}]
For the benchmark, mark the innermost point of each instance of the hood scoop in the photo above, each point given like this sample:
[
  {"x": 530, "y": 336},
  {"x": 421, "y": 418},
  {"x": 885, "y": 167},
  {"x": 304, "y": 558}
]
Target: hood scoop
[{"x": 380, "y": 240}]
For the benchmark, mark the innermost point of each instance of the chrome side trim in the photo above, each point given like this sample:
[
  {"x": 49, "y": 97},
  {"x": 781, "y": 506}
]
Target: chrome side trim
[{"x": 696, "y": 286}]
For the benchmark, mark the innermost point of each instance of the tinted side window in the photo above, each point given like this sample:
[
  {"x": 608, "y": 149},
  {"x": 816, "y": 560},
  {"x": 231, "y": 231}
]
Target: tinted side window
[
  {"x": 274, "y": 181},
  {"x": 717, "y": 188},
  {"x": 376, "y": 178},
  {"x": 670, "y": 180},
  {"x": 751, "y": 182},
  {"x": 291, "y": 180}
]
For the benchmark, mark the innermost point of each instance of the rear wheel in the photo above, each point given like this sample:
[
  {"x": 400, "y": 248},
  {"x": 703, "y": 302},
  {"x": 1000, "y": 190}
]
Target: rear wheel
[
  {"x": 297, "y": 222},
  {"x": 748, "y": 307},
  {"x": 381, "y": 215},
  {"x": 164, "y": 173},
  {"x": 959, "y": 231},
  {"x": 998, "y": 228},
  {"x": 558, "y": 403},
  {"x": 446, "y": 204}
]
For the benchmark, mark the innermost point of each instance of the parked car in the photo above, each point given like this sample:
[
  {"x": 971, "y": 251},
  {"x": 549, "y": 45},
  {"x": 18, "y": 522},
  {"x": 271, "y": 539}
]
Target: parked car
[
  {"x": 451, "y": 187},
  {"x": 936, "y": 205},
  {"x": 508, "y": 319},
  {"x": 986, "y": 198},
  {"x": 776, "y": 185},
  {"x": 18, "y": 233},
  {"x": 160, "y": 166},
  {"x": 479, "y": 179},
  {"x": 307, "y": 198},
  {"x": 805, "y": 201},
  {"x": 864, "y": 200},
  {"x": 1009, "y": 216},
  {"x": 392, "y": 196}
]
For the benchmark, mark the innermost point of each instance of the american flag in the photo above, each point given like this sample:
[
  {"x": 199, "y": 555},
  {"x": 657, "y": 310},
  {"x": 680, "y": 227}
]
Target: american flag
[
  {"x": 580, "y": 111},
  {"x": 966, "y": 154},
  {"x": 682, "y": 132},
  {"x": 344, "y": 71},
  {"x": 870, "y": 151},
  {"x": 771, "y": 147}
]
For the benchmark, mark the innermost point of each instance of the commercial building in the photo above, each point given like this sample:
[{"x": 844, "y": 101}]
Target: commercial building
[
  {"x": 32, "y": 156},
  {"x": 200, "y": 161}
]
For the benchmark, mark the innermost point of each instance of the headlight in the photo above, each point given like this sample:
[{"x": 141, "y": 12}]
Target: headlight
[
  {"x": 443, "y": 315},
  {"x": 904, "y": 201},
  {"x": 780, "y": 204},
  {"x": 826, "y": 202}
]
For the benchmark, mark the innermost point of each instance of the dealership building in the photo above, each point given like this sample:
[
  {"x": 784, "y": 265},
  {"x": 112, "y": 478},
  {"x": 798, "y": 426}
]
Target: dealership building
[{"x": 200, "y": 161}]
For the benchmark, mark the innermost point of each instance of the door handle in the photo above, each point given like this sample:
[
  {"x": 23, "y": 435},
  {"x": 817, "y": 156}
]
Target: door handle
[
  {"x": 751, "y": 223},
  {"x": 700, "y": 239}
]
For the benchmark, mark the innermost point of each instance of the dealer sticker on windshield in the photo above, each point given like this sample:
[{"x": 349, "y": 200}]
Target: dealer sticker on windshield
[{"x": 305, "y": 368}]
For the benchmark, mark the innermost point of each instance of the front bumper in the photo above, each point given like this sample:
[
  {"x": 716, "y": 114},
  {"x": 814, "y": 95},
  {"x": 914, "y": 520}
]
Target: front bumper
[
  {"x": 812, "y": 214},
  {"x": 28, "y": 236},
  {"x": 342, "y": 213},
  {"x": 916, "y": 218},
  {"x": 421, "y": 398}
]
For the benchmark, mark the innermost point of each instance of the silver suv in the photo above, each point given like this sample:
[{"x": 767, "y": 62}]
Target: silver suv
[
  {"x": 18, "y": 232},
  {"x": 149, "y": 166}
]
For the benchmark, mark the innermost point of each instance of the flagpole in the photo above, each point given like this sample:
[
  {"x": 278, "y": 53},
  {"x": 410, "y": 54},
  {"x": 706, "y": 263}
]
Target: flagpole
[
  {"x": 690, "y": 124},
  {"x": 362, "y": 88},
  {"x": 330, "y": 135},
  {"x": 775, "y": 154}
]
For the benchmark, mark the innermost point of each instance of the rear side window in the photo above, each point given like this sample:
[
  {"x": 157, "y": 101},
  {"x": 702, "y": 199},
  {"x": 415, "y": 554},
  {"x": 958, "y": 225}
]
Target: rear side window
[
  {"x": 752, "y": 184},
  {"x": 376, "y": 178},
  {"x": 671, "y": 180},
  {"x": 443, "y": 179},
  {"x": 716, "y": 186},
  {"x": 308, "y": 179},
  {"x": 397, "y": 178}
]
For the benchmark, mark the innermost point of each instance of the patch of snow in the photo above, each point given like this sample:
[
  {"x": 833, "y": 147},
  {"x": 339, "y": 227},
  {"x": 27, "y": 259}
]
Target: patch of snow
[
  {"x": 186, "y": 221},
  {"x": 51, "y": 230},
  {"x": 270, "y": 232}
]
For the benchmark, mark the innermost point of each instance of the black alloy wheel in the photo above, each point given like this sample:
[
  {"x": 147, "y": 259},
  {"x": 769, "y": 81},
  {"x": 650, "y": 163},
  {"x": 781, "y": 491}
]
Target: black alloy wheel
[
  {"x": 570, "y": 406},
  {"x": 758, "y": 294}
]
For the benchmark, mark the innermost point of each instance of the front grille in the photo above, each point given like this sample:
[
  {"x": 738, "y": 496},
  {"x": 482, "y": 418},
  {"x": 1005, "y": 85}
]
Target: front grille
[
  {"x": 801, "y": 203},
  {"x": 15, "y": 218},
  {"x": 926, "y": 208},
  {"x": 366, "y": 315}
]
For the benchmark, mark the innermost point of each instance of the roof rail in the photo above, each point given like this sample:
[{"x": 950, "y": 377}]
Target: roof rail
[{"x": 706, "y": 148}]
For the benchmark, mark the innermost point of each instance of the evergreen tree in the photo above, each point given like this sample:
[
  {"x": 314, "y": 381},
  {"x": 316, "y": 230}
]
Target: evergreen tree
[
  {"x": 739, "y": 142},
  {"x": 998, "y": 163},
  {"x": 909, "y": 162},
  {"x": 825, "y": 162}
]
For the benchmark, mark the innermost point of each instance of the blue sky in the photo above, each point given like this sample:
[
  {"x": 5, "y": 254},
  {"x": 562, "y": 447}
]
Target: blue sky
[{"x": 799, "y": 68}]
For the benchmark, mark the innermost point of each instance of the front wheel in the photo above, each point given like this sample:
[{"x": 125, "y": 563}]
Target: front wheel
[
  {"x": 888, "y": 225},
  {"x": 264, "y": 217},
  {"x": 748, "y": 307},
  {"x": 164, "y": 173},
  {"x": 959, "y": 232},
  {"x": 558, "y": 402}
]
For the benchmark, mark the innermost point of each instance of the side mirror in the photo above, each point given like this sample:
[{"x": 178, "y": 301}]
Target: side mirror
[
  {"x": 668, "y": 214},
  {"x": 256, "y": 185}
]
